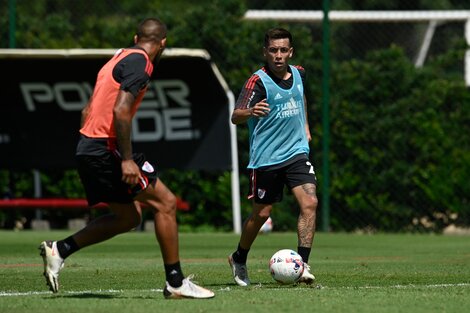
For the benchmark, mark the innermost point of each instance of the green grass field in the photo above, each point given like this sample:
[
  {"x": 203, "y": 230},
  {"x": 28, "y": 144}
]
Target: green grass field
[{"x": 355, "y": 273}]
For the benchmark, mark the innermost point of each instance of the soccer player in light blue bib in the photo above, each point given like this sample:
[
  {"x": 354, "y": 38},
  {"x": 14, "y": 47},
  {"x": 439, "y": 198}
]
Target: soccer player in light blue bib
[{"x": 273, "y": 105}]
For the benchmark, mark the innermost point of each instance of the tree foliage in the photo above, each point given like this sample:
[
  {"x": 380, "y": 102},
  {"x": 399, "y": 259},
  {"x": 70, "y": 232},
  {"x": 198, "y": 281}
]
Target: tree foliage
[{"x": 399, "y": 151}]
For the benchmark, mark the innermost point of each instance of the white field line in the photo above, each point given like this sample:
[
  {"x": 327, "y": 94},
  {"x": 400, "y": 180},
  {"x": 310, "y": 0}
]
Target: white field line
[
  {"x": 82, "y": 292},
  {"x": 410, "y": 286},
  {"x": 111, "y": 291}
]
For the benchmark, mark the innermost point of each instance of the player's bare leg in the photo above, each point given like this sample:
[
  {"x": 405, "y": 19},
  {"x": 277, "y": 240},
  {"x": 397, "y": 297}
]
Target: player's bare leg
[
  {"x": 253, "y": 224},
  {"x": 123, "y": 218},
  {"x": 307, "y": 199},
  {"x": 163, "y": 203},
  {"x": 251, "y": 227}
]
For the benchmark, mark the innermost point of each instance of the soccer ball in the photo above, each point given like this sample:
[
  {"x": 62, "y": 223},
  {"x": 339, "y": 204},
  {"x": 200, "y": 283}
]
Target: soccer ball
[{"x": 286, "y": 266}]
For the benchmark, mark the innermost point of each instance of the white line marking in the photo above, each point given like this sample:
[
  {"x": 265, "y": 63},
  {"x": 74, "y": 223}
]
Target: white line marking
[
  {"x": 410, "y": 286},
  {"x": 414, "y": 286},
  {"x": 34, "y": 293},
  {"x": 111, "y": 291}
]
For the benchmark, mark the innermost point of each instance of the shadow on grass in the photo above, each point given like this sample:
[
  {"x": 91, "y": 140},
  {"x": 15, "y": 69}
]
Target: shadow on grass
[
  {"x": 99, "y": 296},
  {"x": 270, "y": 285},
  {"x": 88, "y": 295}
]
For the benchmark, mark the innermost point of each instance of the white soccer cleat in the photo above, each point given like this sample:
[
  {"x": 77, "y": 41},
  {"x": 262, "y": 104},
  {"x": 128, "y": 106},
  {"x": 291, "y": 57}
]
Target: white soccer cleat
[
  {"x": 239, "y": 271},
  {"x": 187, "y": 290},
  {"x": 53, "y": 263},
  {"x": 306, "y": 277}
]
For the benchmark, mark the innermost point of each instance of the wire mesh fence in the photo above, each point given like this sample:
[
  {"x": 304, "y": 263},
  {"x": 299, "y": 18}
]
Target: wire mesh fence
[{"x": 399, "y": 157}]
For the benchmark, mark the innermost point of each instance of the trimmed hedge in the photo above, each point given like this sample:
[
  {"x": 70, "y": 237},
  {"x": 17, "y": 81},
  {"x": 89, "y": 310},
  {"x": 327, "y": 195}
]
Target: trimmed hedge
[{"x": 400, "y": 144}]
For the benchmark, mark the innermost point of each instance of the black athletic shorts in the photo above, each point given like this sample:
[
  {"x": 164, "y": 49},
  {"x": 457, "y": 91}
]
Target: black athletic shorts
[
  {"x": 267, "y": 184},
  {"x": 101, "y": 176}
]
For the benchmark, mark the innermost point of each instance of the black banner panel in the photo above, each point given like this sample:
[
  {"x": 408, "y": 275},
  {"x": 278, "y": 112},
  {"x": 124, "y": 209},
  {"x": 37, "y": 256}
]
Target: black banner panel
[{"x": 183, "y": 121}]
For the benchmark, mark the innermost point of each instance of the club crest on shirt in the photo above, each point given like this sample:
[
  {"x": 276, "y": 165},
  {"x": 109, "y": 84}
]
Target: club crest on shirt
[
  {"x": 147, "y": 167},
  {"x": 261, "y": 193}
]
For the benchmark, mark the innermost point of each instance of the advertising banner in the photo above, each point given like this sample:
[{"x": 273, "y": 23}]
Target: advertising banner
[{"x": 182, "y": 123}]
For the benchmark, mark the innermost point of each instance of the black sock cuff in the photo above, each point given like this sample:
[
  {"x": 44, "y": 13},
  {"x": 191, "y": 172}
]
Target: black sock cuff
[
  {"x": 67, "y": 246},
  {"x": 240, "y": 255},
  {"x": 174, "y": 274},
  {"x": 304, "y": 253}
]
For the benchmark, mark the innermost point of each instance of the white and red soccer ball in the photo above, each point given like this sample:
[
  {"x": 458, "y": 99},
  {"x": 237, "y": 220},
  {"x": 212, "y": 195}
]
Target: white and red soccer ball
[{"x": 286, "y": 266}]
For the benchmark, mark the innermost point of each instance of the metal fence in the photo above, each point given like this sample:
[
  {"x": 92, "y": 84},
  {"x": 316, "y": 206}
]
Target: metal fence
[{"x": 421, "y": 39}]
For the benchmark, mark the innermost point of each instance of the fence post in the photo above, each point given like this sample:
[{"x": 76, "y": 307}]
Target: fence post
[
  {"x": 467, "y": 53},
  {"x": 12, "y": 23},
  {"x": 37, "y": 191},
  {"x": 325, "y": 207}
]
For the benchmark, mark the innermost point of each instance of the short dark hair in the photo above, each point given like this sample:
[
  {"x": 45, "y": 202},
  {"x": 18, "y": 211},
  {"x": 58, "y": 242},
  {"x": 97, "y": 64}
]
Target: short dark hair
[
  {"x": 151, "y": 29},
  {"x": 276, "y": 33}
]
